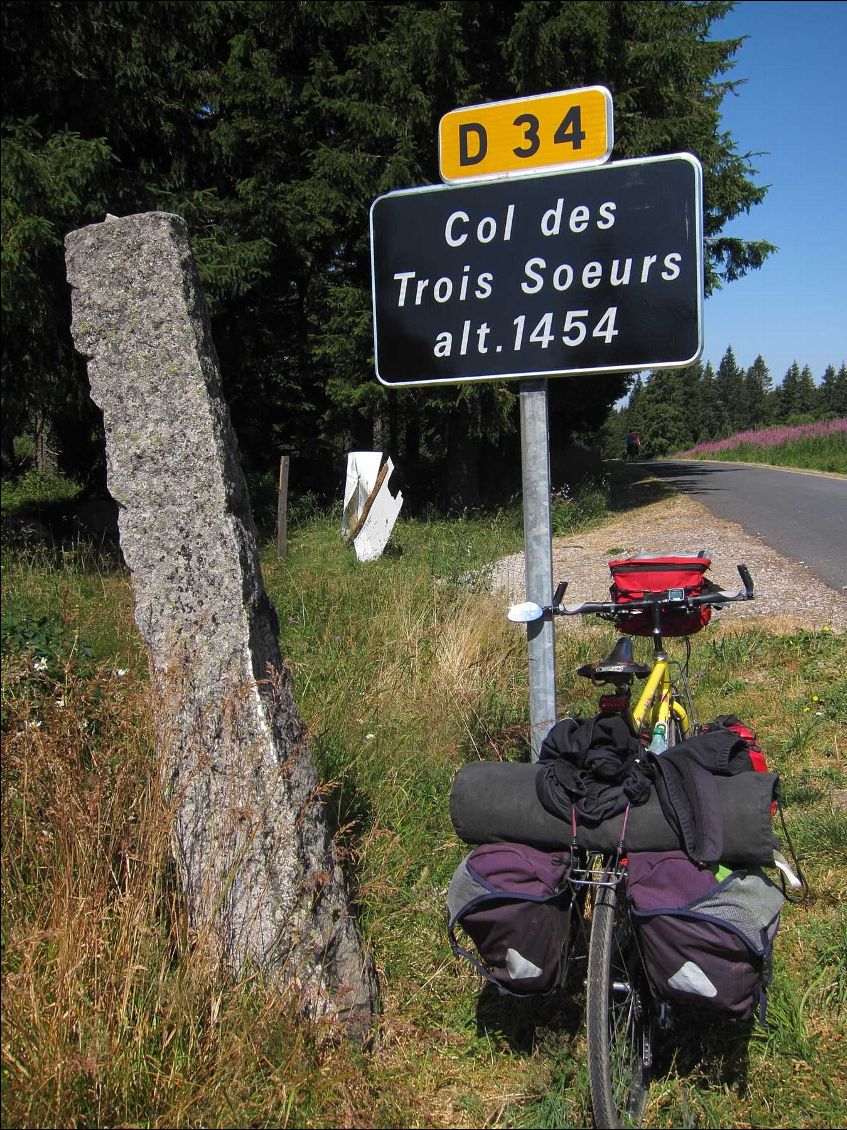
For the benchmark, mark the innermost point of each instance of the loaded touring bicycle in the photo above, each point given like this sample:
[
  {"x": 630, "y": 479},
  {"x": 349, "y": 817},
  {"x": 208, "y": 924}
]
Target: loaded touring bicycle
[{"x": 637, "y": 858}]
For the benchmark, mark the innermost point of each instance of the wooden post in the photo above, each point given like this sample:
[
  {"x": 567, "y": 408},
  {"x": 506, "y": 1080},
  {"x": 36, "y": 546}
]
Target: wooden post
[{"x": 282, "y": 508}]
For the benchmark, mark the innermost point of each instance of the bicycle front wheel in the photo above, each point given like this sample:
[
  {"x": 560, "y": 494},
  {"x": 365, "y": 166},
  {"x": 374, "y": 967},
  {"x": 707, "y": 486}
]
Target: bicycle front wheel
[{"x": 618, "y": 1017}]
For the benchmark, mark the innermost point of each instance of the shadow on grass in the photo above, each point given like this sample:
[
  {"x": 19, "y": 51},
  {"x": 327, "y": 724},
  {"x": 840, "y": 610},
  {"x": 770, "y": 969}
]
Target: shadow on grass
[
  {"x": 63, "y": 525},
  {"x": 518, "y": 1020},
  {"x": 702, "y": 1051},
  {"x": 633, "y": 485},
  {"x": 708, "y": 1052}
]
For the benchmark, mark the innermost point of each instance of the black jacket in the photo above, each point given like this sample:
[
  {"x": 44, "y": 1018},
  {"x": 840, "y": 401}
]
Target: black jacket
[
  {"x": 592, "y": 765},
  {"x": 595, "y": 767}
]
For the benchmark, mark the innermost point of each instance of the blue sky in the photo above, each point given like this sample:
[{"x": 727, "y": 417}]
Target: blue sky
[{"x": 792, "y": 112}]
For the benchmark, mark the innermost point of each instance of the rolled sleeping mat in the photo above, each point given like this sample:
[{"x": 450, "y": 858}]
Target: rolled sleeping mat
[{"x": 496, "y": 802}]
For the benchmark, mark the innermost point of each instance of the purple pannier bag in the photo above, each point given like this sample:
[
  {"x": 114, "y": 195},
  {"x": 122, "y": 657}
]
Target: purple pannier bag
[
  {"x": 513, "y": 902},
  {"x": 705, "y": 942}
]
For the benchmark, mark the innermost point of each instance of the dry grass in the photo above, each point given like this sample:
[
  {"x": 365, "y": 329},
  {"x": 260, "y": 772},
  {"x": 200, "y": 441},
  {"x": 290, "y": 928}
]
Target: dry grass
[{"x": 114, "y": 1014}]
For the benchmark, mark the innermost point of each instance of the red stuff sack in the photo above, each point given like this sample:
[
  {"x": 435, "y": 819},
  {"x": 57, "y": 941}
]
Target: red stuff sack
[
  {"x": 758, "y": 761},
  {"x": 640, "y": 578},
  {"x": 754, "y": 750}
]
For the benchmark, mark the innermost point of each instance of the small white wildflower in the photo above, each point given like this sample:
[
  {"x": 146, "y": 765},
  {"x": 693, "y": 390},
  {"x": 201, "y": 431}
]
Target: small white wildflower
[
  {"x": 33, "y": 725},
  {"x": 369, "y": 737},
  {"x": 39, "y": 664},
  {"x": 120, "y": 672},
  {"x": 60, "y": 702}
]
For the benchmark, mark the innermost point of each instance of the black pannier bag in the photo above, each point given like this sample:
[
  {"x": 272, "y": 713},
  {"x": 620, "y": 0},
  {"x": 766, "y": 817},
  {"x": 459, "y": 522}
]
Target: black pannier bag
[
  {"x": 639, "y": 578},
  {"x": 706, "y": 938},
  {"x": 513, "y": 902}
]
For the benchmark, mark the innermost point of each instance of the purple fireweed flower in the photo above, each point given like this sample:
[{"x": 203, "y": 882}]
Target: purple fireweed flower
[{"x": 770, "y": 437}]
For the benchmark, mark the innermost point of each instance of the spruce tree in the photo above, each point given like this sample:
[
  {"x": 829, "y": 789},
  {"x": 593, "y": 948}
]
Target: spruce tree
[
  {"x": 696, "y": 407},
  {"x": 791, "y": 398},
  {"x": 43, "y": 384},
  {"x": 729, "y": 394},
  {"x": 757, "y": 385},
  {"x": 665, "y": 427},
  {"x": 834, "y": 391},
  {"x": 709, "y": 412},
  {"x": 808, "y": 394}
]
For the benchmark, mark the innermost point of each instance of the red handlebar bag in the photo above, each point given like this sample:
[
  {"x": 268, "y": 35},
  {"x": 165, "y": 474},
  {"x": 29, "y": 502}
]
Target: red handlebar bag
[{"x": 640, "y": 578}]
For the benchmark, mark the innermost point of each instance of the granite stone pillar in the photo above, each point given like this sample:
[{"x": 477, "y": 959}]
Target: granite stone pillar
[{"x": 252, "y": 847}]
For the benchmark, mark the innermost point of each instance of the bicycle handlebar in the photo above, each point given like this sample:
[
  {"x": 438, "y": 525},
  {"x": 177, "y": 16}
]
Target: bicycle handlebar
[{"x": 720, "y": 596}]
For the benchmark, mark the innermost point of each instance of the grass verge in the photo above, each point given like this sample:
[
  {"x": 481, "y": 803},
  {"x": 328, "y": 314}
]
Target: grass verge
[{"x": 404, "y": 669}]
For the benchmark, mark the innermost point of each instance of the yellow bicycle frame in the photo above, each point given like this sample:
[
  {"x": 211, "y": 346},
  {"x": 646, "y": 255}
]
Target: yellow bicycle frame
[{"x": 656, "y": 702}]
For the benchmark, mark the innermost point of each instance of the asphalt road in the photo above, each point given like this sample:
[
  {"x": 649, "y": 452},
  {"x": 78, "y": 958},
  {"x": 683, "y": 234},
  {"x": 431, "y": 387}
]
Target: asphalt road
[{"x": 802, "y": 516}]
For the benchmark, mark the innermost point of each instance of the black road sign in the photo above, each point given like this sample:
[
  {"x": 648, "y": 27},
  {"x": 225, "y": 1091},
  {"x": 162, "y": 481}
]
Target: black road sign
[{"x": 587, "y": 271}]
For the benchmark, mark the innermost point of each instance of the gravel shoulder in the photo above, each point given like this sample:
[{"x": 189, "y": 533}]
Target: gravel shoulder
[{"x": 788, "y": 596}]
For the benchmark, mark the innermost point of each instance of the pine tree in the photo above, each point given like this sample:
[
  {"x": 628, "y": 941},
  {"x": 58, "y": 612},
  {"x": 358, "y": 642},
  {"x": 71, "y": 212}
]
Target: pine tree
[
  {"x": 757, "y": 385},
  {"x": 729, "y": 394},
  {"x": 272, "y": 127},
  {"x": 797, "y": 395},
  {"x": 839, "y": 397},
  {"x": 833, "y": 391},
  {"x": 100, "y": 106}
]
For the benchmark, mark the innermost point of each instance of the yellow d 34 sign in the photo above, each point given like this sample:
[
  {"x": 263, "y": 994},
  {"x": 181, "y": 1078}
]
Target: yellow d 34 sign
[{"x": 526, "y": 135}]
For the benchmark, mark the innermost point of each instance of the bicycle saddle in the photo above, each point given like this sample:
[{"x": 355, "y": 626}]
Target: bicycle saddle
[{"x": 618, "y": 666}]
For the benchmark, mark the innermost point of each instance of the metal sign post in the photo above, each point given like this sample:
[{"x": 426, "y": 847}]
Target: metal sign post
[
  {"x": 538, "y": 553},
  {"x": 514, "y": 271}
]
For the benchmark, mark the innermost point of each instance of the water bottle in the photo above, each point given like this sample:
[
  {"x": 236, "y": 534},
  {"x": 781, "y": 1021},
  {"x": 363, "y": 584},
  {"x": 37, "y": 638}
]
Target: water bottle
[{"x": 659, "y": 742}]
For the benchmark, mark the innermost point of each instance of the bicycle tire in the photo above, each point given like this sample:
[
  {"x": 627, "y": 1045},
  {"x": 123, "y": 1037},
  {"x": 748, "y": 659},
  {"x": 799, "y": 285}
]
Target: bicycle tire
[
  {"x": 675, "y": 734},
  {"x": 618, "y": 1017}
]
